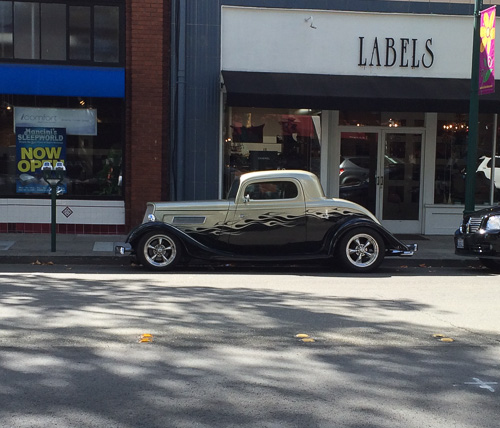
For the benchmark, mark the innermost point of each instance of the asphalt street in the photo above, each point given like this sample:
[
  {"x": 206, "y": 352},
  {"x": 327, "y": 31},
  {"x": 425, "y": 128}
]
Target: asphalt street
[{"x": 113, "y": 346}]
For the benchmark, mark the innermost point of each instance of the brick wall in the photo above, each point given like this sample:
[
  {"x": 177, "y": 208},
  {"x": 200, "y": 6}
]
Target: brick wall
[{"x": 147, "y": 110}]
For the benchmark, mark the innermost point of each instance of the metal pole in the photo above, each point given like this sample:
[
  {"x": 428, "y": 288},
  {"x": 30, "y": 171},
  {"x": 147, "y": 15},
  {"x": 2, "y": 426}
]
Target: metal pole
[
  {"x": 470, "y": 179},
  {"x": 493, "y": 159},
  {"x": 53, "y": 219},
  {"x": 181, "y": 100}
]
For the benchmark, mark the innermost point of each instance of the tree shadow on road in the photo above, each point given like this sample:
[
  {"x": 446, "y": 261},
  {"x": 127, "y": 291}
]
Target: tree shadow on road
[{"x": 71, "y": 356}]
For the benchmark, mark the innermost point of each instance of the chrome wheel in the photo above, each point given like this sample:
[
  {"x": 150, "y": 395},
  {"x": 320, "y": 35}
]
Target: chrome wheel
[
  {"x": 361, "y": 250},
  {"x": 159, "y": 251}
]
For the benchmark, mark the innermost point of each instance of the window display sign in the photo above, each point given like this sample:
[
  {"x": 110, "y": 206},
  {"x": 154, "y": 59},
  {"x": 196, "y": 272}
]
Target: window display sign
[
  {"x": 75, "y": 121},
  {"x": 34, "y": 146}
]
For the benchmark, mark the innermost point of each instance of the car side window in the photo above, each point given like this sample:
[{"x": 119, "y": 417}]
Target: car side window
[{"x": 272, "y": 190}]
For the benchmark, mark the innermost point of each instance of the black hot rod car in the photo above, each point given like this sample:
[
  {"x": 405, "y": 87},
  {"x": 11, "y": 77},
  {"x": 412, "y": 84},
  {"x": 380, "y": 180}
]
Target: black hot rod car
[{"x": 268, "y": 216}]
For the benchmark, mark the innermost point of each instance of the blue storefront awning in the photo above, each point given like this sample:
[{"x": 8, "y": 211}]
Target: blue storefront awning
[{"x": 55, "y": 80}]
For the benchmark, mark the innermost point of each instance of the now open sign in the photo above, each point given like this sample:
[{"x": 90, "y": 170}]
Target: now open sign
[{"x": 34, "y": 146}]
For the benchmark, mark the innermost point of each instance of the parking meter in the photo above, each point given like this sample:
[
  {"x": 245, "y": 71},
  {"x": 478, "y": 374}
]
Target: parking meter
[{"x": 53, "y": 177}]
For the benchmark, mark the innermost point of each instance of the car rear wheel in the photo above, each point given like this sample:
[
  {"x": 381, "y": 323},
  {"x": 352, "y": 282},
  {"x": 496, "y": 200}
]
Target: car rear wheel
[
  {"x": 492, "y": 264},
  {"x": 361, "y": 250},
  {"x": 159, "y": 251}
]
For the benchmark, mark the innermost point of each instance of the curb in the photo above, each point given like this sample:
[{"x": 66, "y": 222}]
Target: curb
[
  {"x": 472, "y": 262},
  {"x": 125, "y": 261},
  {"x": 65, "y": 260}
]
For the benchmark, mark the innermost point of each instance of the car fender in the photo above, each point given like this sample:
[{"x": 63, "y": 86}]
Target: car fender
[
  {"x": 154, "y": 226},
  {"x": 191, "y": 245},
  {"x": 391, "y": 242}
]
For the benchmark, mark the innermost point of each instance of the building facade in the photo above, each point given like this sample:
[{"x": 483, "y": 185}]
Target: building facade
[
  {"x": 371, "y": 96},
  {"x": 156, "y": 100},
  {"x": 84, "y": 83}
]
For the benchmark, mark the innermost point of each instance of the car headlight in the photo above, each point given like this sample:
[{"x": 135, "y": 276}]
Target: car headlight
[
  {"x": 148, "y": 215},
  {"x": 493, "y": 223}
]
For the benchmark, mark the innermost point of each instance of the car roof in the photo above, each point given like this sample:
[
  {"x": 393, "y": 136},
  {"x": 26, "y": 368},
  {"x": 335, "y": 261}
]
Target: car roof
[
  {"x": 310, "y": 181},
  {"x": 278, "y": 173}
]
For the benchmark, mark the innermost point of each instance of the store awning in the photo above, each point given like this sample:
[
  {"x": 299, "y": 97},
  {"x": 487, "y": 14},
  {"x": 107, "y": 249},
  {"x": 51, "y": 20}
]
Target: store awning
[
  {"x": 319, "y": 91},
  {"x": 62, "y": 80}
]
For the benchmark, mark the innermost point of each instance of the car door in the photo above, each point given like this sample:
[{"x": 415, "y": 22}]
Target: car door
[{"x": 269, "y": 218}]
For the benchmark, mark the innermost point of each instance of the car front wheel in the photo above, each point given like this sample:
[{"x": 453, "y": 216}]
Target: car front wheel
[
  {"x": 492, "y": 264},
  {"x": 361, "y": 250},
  {"x": 159, "y": 251}
]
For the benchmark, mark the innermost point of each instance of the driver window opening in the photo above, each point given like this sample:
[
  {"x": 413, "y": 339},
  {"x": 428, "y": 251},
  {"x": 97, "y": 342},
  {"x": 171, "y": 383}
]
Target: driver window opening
[{"x": 271, "y": 190}]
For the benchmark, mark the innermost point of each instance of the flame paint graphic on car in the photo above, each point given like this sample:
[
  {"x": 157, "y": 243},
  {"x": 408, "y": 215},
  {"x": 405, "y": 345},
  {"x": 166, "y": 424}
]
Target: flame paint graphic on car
[{"x": 269, "y": 220}]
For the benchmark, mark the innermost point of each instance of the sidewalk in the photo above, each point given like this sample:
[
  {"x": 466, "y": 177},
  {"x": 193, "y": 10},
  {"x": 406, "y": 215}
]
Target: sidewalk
[
  {"x": 15, "y": 248},
  {"x": 78, "y": 249}
]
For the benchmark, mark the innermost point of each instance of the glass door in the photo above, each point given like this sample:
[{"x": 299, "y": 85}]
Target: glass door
[
  {"x": 358, "y": 168},
  {"x": 381, "y": 170},
  {"x": 399, "y": 182}
]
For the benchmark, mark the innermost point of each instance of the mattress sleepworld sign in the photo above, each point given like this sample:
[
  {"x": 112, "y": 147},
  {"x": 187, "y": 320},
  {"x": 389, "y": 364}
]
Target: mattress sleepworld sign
[
  {"x": 346, "y": 43},
  {"x": 41, "y": 137},
  {"x": 34, "y": 146}
]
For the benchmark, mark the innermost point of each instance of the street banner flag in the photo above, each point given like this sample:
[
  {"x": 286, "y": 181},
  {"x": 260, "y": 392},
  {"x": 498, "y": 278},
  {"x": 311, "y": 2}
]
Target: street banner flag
[{"x": 487, "y": 52}]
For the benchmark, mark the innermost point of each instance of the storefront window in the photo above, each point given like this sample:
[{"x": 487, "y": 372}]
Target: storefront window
[
  {"x": 27, "y": 30},
  {"x": 6, "y": 36},
  {"x": 106, "y": 34},
  {"x": 79, "y": 33},
  {"x": 388, "y": 119},
  {"x": 266, "y": 139},
  {"x": 451, "y": 159},
  {"x": 45, "y": 30},
  {"x": 53, "y": 31},
  {"x": 93, "y": 162}
]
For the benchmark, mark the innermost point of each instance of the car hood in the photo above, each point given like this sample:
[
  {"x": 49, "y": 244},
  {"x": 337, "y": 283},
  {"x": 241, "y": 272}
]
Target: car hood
[
  {"x": 485, "y": 211},
  {"x": 190, "y": 206}
]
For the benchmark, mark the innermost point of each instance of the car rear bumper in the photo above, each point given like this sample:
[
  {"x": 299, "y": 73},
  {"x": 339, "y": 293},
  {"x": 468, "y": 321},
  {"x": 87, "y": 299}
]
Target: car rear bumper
[{"x": 408, "y": 252}]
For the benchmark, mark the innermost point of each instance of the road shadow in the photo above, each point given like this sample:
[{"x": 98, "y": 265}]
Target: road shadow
[
  {"x": 390, "y": 268},
  {"x": 71, "y": 355}
]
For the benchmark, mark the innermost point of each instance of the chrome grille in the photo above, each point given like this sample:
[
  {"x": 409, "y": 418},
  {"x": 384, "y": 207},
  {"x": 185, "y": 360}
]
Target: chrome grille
[{"x": 473, "y": 224}]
